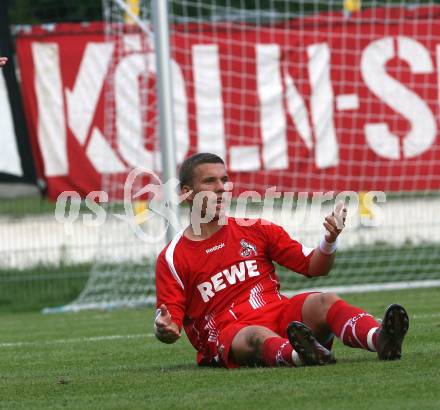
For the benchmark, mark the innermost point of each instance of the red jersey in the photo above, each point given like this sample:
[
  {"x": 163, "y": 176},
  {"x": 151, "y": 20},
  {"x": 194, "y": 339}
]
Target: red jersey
[{"x": 207, "y": 284}]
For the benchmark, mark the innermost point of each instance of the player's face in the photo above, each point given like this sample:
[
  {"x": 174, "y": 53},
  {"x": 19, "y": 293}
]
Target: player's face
[{"x": 209, "y": 178}]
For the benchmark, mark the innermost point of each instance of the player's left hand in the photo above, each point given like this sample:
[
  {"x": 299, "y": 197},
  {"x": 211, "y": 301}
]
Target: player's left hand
[
  {"x": 335, "y": 223},
  {"x": 3, "y": 61}
]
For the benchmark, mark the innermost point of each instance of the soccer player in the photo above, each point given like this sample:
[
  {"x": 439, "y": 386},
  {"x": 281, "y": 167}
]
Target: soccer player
[
  {"x": 3, "y": 61},
  {"x": 219, "y": 283}
]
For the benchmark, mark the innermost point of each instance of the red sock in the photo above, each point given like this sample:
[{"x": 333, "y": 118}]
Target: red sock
[
  {"x": 277, "y": 352},
  {"x": 353, "y": 326}
]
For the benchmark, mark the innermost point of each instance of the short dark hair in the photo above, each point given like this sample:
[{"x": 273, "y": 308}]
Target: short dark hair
[{"x": 186, "y": 171}]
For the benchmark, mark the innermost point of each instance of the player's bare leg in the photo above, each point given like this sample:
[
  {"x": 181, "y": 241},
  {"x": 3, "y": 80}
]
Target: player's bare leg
[
  {"x": 259, "y": 346},
  {"x": 247, "y": 346},
  {"x": 314, "y": 314}
]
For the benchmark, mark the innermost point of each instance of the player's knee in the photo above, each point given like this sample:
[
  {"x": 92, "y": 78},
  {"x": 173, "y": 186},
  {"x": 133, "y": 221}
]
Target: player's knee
[
  {"x": 328, "y": 299},
  {"x": 254, "y": 341},
  {"x": 316, "y": 306},
  {"x": 254, "y": 337},
  {"x": 247, "y": 344}
]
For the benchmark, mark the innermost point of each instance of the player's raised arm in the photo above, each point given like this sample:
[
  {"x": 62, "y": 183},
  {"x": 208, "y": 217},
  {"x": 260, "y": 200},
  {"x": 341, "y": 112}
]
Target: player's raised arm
[
  {"x": 323, "y": 256},
  {"x": 164, "y": 328},
  {"x": 3, "y": 61}
]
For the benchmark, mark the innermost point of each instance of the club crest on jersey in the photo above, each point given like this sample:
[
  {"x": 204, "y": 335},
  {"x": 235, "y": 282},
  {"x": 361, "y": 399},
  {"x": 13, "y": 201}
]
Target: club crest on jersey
[{"x": 247, "y": 249}]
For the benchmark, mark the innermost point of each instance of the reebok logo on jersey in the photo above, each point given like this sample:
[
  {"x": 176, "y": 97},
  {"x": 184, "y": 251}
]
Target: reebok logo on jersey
[
  {"x": 219, "y": 281},
  {"x": 247, "y": 249},
  {"x": 215, "y": 248}
]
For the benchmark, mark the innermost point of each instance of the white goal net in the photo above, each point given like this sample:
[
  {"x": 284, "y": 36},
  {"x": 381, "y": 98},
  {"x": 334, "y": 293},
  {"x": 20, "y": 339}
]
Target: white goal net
[{"x": 303, "y": 98}]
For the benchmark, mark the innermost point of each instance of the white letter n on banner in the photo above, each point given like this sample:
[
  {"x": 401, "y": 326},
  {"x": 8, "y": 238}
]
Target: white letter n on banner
[{"x": 272, "y": 113}]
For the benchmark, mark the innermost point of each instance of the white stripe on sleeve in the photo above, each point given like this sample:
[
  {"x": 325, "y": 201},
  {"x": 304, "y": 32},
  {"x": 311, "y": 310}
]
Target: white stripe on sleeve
[{"x": 169, "y": 256}]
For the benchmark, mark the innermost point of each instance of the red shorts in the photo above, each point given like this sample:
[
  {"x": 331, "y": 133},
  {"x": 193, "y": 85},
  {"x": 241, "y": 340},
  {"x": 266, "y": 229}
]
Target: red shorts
[{"x": 274, "y": 316}]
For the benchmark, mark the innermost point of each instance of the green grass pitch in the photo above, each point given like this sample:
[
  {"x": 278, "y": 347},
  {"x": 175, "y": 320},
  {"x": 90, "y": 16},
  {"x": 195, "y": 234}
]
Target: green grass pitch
[{"x": 110, "y": 360}]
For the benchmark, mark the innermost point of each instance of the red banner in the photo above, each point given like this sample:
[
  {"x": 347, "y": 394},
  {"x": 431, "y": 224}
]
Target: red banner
[{"x": 318, "y": 104}]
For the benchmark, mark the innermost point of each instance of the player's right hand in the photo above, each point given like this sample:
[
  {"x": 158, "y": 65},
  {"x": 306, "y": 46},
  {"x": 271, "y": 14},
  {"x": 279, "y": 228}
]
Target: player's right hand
[
  {"x": 164, "y": 328},
  {"x": 3, "y": 61}
]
